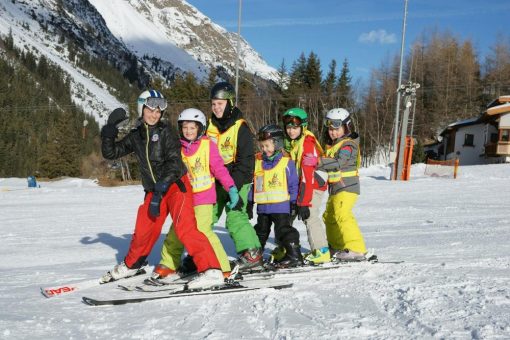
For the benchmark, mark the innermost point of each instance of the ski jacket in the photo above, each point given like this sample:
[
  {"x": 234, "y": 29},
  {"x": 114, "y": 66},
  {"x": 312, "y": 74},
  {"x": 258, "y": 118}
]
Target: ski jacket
[
  {"x": 241, "y": 168},
  {"x": 157, "y": 150},
  {"x": 292, "y": 186},
  {"x": 342, "y": 162},
  {"x": 216, "y": 168},
  {"x": 308, "y": 179}
]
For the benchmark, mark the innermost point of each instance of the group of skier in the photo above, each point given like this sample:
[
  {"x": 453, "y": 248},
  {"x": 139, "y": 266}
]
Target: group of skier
[{"x": 212, "y": 168}]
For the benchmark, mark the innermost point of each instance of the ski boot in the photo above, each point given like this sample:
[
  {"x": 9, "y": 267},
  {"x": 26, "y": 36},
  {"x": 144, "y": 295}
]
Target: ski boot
[
  {"x": 277, "y": 254},
  {"x": 292, "y": 258},
  {"x": 121, "y": 271},
  {"x": 209, "y": 279},
  {"x": 249, "y": 260},
  {"x": 347, "y": 255},
  {"x": 318, "y": 256}
]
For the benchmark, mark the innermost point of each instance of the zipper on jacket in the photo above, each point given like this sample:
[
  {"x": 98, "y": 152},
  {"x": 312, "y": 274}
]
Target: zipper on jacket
[{"x": 147, "y": 152}]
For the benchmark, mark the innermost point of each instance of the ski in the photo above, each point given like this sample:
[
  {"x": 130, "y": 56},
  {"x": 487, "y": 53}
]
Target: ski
[
  {"x": 82, "y": 285},
  {"x": 228, "y": 288},
  {"x": 149, "y": 285}
]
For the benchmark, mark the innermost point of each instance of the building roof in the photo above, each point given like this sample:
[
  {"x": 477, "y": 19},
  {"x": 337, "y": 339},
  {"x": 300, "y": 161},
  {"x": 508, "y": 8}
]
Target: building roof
[{"x": 461, "y": 123}]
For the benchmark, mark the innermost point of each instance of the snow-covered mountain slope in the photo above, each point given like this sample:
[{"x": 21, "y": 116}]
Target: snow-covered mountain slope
[
  {"x": 157, "y": 37},
  {"x": 454, "y": 236},
  {"x": 155, "y": 27}
]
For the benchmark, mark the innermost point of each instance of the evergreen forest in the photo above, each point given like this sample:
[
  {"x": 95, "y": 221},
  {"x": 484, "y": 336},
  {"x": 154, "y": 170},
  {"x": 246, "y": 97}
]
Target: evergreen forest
[{"x": 42, "y": 131}]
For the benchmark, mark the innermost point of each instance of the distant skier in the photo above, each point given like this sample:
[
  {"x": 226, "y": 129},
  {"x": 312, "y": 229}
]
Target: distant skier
[
  {"x": 301, "y": 142},
  {"x": 204, "y": 164},
  {"x": 275, "y": 189},
  {"x": 167, "y": 190},
  {"x": 342, "y": 161}
]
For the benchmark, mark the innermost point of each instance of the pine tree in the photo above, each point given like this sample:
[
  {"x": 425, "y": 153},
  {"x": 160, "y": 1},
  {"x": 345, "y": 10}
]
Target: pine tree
[
  {"x": 344, "y": 89},
  {"x": 329, "y": 83}
]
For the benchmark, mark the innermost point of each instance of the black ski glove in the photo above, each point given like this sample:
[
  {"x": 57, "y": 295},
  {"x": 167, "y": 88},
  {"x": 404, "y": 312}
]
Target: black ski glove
[
  {"x": 117, "y": 116},
  {"x": 303, "y": 213},
  {"x": 109, "y": 131},
  {"x": 249, "y": 209},
  {"x": 293, "y": 210},
  {"x": 160, "y": 188}
]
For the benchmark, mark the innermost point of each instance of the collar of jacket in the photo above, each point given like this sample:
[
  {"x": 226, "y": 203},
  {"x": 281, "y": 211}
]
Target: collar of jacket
[{"x": 224, "y": 123}]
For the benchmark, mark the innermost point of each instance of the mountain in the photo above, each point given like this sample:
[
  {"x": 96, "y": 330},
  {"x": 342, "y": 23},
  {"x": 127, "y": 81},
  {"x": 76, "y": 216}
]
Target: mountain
[{"x": 142, "y": 39}]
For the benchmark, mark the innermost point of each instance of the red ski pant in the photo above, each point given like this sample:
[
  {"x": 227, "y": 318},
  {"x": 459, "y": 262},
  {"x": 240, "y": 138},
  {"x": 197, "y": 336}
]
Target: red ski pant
[{"x": 148, "y": 229}]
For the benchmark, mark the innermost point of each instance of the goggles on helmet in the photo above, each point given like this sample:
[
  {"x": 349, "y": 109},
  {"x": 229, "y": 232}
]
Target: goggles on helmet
[
  {"x": 265, "y": 135},
  {"x": 335, "y": 123},
  {"x": 292, "y": 121},
  {"x": 154, "y": 102}
]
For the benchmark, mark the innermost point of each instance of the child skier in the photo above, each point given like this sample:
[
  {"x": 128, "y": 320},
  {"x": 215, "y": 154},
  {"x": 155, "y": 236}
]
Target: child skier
[
  {"x": 275, "y": 188},
  {"x": 299, "y": 141},
  {"x": 230, "y": 132},
  {"x": 342, "y": 162},
  {"x": 167, "y": 191},
  {"x": 204, "y": 164}
]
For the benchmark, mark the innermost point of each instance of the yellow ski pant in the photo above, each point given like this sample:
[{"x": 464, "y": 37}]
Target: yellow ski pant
[
  {"x": 172, "y": 249},
  {"x": 341, "y": 227}
]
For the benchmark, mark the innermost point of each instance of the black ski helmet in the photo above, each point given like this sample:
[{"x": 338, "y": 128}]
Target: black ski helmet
[
  {"x": 273, "y": 132},
  {"x": 223, "y": 90}
]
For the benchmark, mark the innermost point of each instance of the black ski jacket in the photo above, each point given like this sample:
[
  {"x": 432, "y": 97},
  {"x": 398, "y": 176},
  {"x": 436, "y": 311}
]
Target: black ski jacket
[
  {"x": 242, "y": 168},
  {"x": 157, "y": 149}
]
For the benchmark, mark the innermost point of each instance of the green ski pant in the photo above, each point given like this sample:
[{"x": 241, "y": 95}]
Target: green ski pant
[{"x": 238, "y": 224}]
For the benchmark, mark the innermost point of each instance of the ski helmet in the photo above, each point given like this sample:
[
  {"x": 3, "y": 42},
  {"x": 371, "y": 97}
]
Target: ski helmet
[
  {"x": 273, "y": 132},
  {"x": 223, "y": 90},
  {"x": 295, "y": 117},
  {"x": 151, "y": 99},
  {"x": 193, "y": 115},
  {"x": 337, "y": 117}
]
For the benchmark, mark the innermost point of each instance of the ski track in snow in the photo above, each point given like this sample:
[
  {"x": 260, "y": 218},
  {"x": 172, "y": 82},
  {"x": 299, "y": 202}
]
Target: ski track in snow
[{"x": 454, "y": 236}]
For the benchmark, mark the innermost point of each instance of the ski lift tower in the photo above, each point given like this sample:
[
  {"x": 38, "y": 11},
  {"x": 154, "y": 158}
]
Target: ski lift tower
[{"x": 402, "y": 165}]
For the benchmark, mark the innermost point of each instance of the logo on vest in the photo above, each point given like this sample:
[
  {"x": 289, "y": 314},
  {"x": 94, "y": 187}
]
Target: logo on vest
[
  {"x": 227, "y": 146},
  {"x": 198, "y": 166},
  {"x": 155, "y": 137},
  {"x": 274, "y": 182}
]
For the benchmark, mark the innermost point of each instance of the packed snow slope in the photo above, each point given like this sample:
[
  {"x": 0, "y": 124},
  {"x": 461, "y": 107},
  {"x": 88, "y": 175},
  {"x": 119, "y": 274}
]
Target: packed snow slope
[{"x": 454, "y": 236}]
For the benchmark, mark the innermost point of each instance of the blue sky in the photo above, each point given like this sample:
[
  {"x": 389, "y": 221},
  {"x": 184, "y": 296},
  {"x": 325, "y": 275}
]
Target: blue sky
[{"x": 365, "y": 32}]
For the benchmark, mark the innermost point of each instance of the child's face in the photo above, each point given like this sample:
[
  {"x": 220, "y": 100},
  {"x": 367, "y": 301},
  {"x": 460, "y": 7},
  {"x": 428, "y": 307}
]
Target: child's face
[
  {"x": 218, "y": 107},
  {"x": 267, "y": 147},
  {"x": 335, "y": 133},
  {"x": 151, "y": 116},
  {"x": 293, "y": 131},
  {"x": 190, "y": 130}
]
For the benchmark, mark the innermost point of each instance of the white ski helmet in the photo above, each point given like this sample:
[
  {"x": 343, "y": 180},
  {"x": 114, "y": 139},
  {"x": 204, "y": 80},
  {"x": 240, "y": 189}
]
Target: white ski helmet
[
  {"x": 193, "y": 115},
  {"x": 337, "y": 117},
  {"x": 152, "y": 99}
]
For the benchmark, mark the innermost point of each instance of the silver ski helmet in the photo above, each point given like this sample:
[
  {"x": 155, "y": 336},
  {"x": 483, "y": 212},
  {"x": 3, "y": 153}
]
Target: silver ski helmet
[{"x": 152, "y": 99}]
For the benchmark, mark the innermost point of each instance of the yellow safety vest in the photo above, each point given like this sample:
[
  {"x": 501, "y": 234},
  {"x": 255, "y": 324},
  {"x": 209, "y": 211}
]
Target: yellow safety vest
[
  {"x": 296, "y": 153},
  {"x": 336, "y": 176},
  {"x": 226, "y": 141},
  {"x": 270, "y": 186},
  {"x": 198, "y": 167}
]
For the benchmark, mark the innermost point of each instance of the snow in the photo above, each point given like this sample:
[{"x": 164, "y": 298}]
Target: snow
[{"x": 454, "y": 236}]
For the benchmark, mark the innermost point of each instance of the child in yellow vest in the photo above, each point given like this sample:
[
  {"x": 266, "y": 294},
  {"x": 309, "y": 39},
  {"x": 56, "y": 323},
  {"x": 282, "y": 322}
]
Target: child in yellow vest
[
  {"x": 275, "y": 188},
  {"x": 204, "y": 163},
  {"x": 341, "y": 163}
]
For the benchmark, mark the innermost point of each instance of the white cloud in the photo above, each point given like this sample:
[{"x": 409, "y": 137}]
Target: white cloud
[{"x": 379, "y": 36}]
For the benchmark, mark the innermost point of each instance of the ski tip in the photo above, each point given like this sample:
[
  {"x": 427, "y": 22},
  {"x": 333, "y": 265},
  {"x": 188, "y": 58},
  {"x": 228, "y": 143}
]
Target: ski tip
[{"x": 45, "y": 293}]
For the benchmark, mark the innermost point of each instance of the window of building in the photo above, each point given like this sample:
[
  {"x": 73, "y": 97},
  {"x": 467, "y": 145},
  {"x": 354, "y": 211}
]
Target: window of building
[
  {"x": 468, "y": 139},
  {"x": 494, "y": 138},
  {"x": 505, "y": 135}
]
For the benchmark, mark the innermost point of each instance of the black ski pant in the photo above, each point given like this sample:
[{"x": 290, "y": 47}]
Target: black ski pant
[{"x": 284, "y": 232}]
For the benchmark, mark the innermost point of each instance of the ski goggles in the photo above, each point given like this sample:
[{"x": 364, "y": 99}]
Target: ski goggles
[
  {"x": 265, "y": 135},
  {"x": 292, "y": 121},
  {"x": 334, "y": 123},
  {"x": 153, "y": 103}
]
